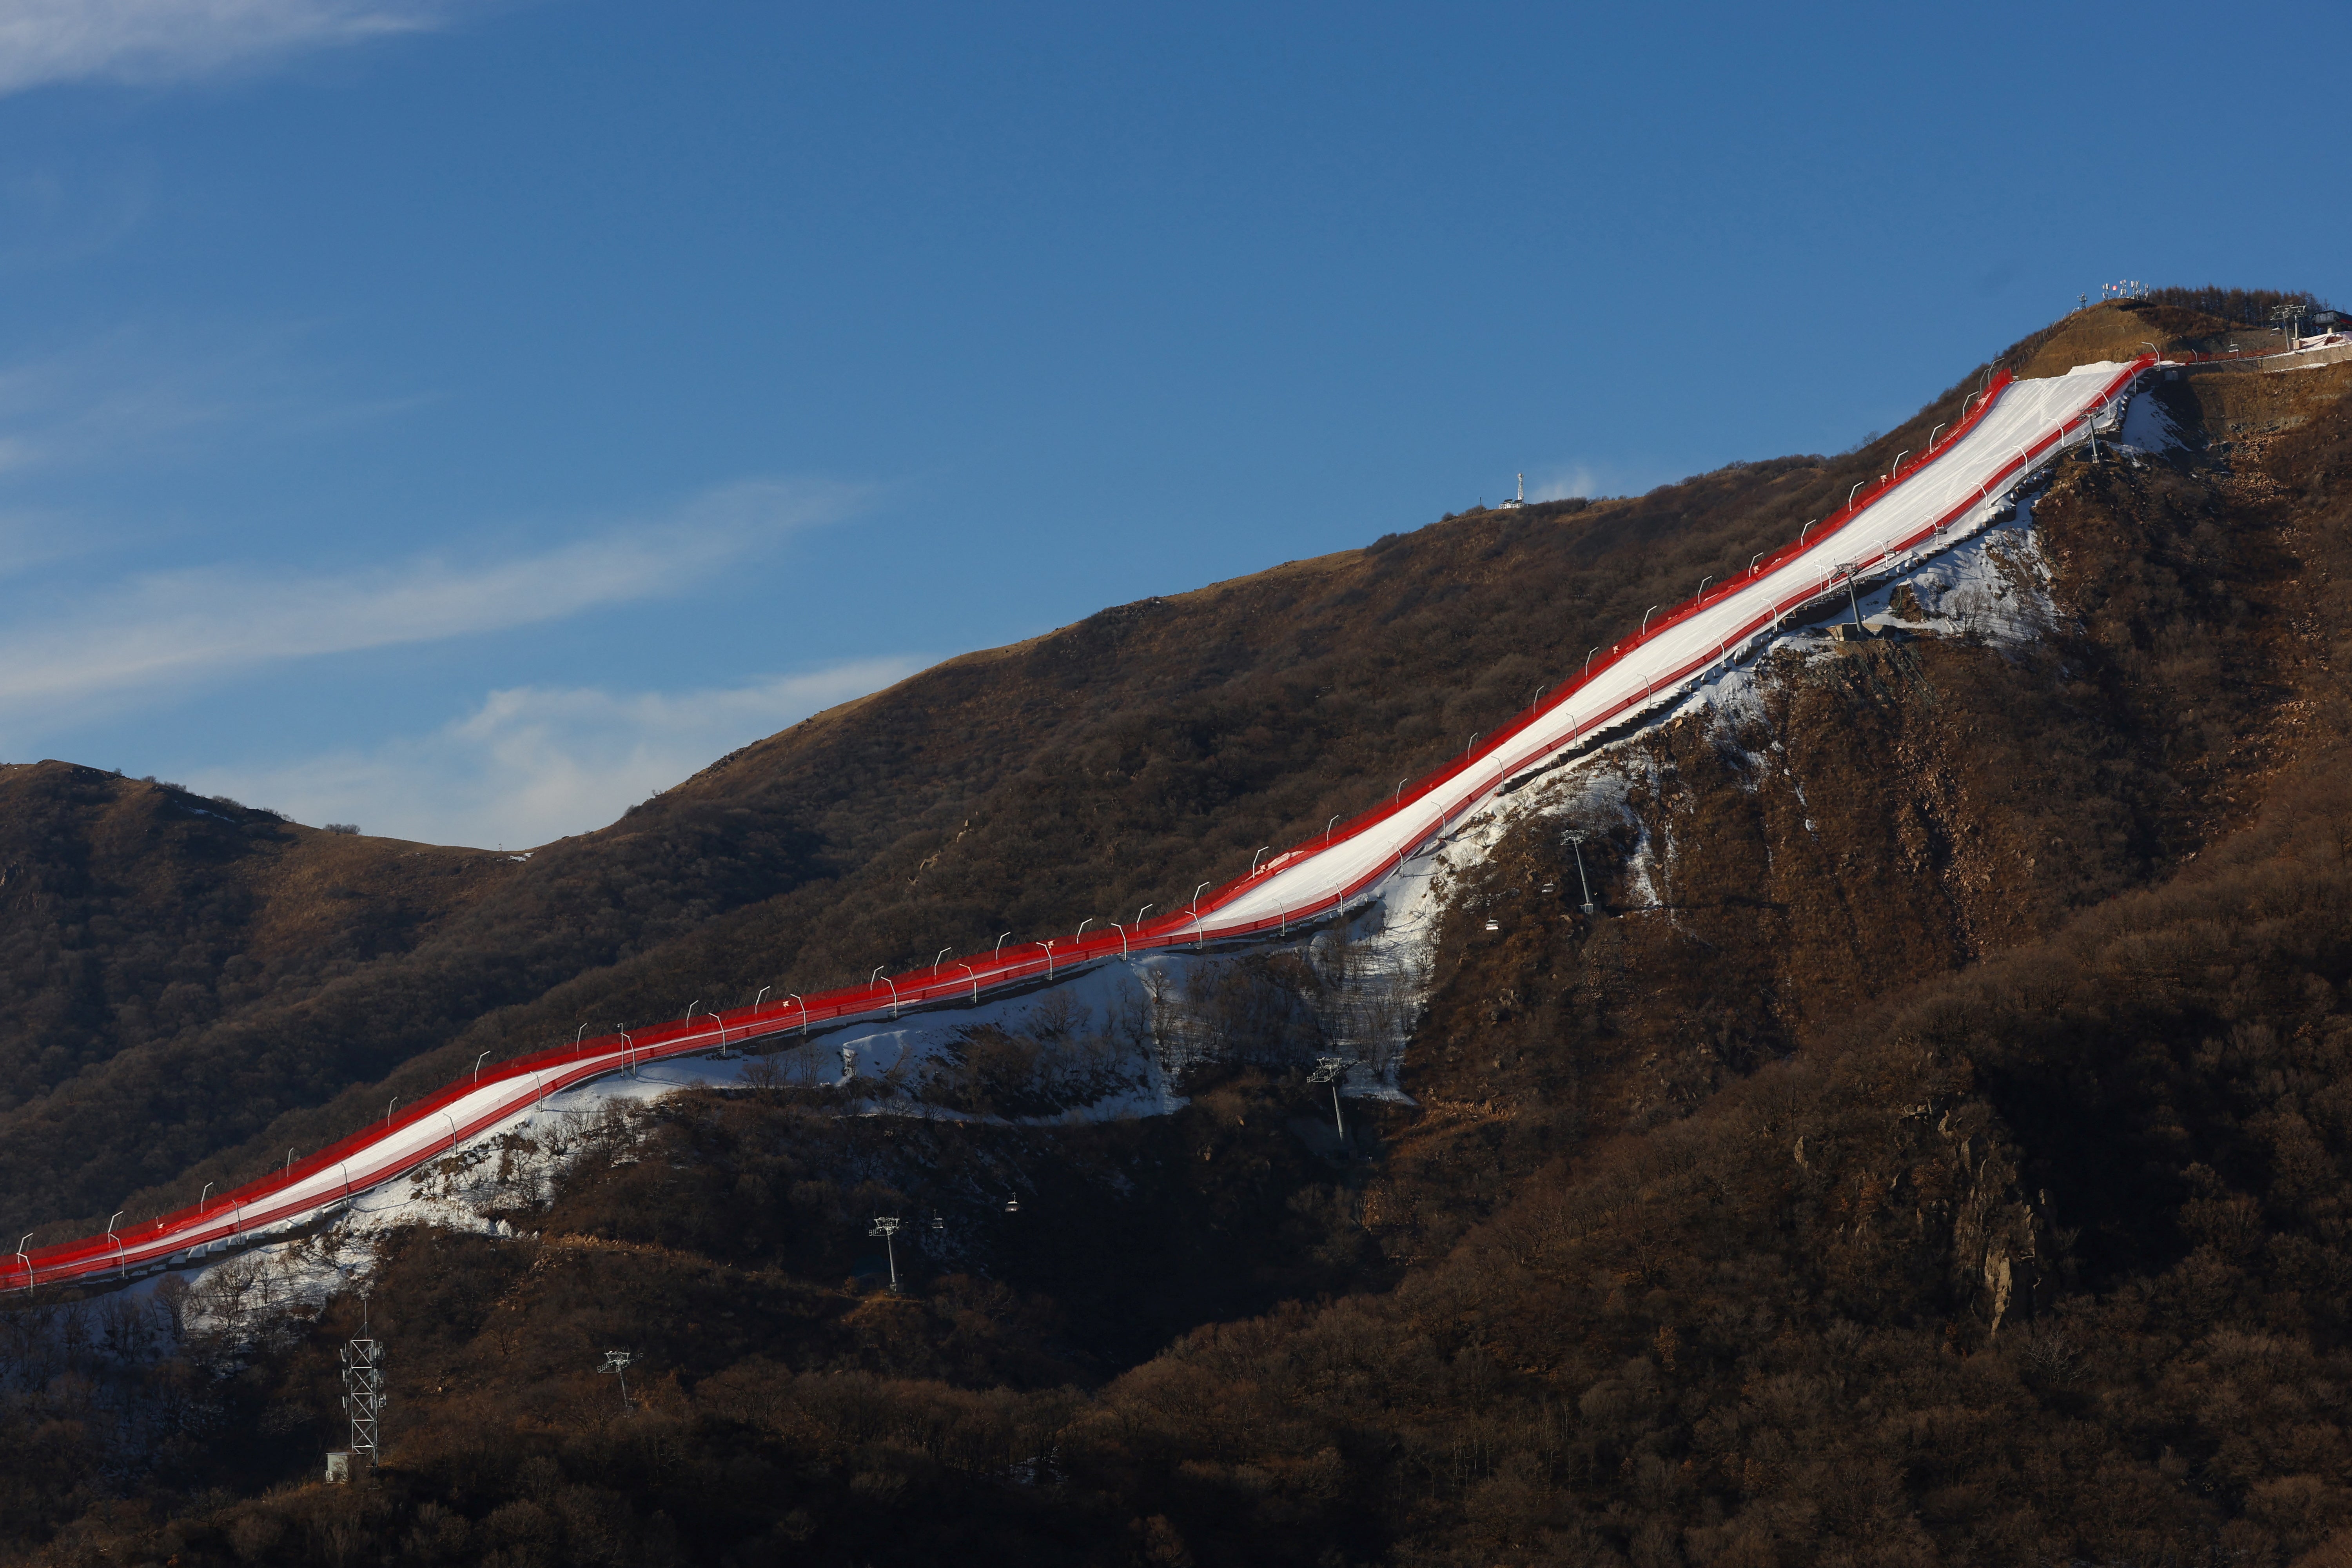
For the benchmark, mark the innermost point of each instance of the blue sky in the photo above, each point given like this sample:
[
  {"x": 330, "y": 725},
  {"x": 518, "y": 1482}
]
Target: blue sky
[{"x": 465, "y": 418}]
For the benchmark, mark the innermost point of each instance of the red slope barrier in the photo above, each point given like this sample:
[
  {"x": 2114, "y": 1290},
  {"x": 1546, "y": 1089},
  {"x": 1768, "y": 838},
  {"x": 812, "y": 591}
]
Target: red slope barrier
[{"x": 362, "y": 1161}]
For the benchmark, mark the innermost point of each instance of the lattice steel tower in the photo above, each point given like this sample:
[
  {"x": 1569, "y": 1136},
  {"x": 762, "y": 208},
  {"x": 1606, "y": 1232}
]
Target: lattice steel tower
[{"x": 363, "y": 1394}]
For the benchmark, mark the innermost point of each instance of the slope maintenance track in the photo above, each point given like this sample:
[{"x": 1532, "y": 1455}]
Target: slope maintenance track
[{"x": 2009, "y": 429}]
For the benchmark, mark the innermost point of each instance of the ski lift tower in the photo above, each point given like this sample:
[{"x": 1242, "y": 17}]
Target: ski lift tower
[
  {"x": 887, "y": 1227},
  {"x": 1331, "y": 1070},
  {"x": 1577, "y": 841}
]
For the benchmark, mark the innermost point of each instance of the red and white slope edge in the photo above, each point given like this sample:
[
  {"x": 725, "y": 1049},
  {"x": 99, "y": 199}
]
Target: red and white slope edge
[{"x": 2011, "y": 429}]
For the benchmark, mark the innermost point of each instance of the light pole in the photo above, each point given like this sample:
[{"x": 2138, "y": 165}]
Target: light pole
[
  {"x": 1122, "y": 938},
  {"x": 478, "y": 1065},
  {"x": 290, "y": 1165},
  {"x": 1898, "y": 462},
  {"x": 1850, "y": 494},
  {"x": 1752, "y": 561},
  {"x": 1139, "y": 915},
  {"x": 387, "y": 1110},
  {"x": 26, "y": 1259},
  {"x": 117, "y": 1240},
  {"x": 575, "y": 1038},
  {"x": 891, "y": 984},
  {"x": 941, "y": 956},
  {"x": 795, "y": 996},
  {"x": 974, "y": 977},
  {"x": 1082, "y": 931},
  {"x": 453, "y": 1130},
  {"x": 201, "y": 1197},
  {"x": 887, "y": 1227},
  {"x": 1931, "y": 437},
  {"x": 1645, "y": 621},
  {"x": 1804, "y": 531},
  {"x": 763, "y": 997},
  {"x": 1335, "y": 816},
  {"x": 1576, "y": 841},
  {"x": 1048, "y": 946},
  {"x": 629, "y": 1045},
  {"x": 1000, "y": 944},
  {"x": 1198, "y": 936},
  {"x": 1254, "y": 858},
  {"x": 1702, "y": 587}
]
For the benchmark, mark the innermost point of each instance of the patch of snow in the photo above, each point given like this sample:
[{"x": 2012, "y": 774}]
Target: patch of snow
[{"x": 2147, "y": 427}]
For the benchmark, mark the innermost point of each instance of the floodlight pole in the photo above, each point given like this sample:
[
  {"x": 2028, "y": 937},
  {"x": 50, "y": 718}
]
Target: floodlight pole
[
  {"x": 486, "y": 1056},
  {"x": 1199, "y": 931},
  {"x": 117, "y": 1240},
  {"x": 575, "y": 1038},
  {"x": 26, "y": 1259},
  {"x": 974, "y": 977},
  {"x": 201, "y": 1197}
]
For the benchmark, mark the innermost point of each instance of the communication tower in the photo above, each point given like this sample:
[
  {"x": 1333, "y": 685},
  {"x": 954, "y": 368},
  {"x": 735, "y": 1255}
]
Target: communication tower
[{"x": 363, "y": 1394}]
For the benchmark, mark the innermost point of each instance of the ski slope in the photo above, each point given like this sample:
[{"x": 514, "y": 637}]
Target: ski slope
[{"x": 2012, "y": 428}]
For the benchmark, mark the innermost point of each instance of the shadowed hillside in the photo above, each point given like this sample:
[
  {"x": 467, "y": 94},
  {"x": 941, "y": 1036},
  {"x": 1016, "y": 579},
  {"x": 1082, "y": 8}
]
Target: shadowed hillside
[{"x": 1931, "y": 1154}]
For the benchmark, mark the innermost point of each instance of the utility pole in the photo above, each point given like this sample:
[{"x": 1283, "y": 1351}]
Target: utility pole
[
  {"x": 1576, "y": 842},
  {"x": 1331, "y": 1070},
  {"x": 887, "y": 1227},
  {"x": 363, "y": 1394},
  {"x": 617, "y": 1364}
]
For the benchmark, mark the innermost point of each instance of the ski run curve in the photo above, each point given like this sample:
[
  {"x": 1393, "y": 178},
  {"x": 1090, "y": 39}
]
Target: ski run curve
[{"x": 2008, "y": 431}]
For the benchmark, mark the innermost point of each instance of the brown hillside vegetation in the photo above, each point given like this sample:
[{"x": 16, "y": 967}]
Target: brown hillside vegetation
[
  {"x": 1716, "y": 1235},
  {"x": 1130, "y": 756}
]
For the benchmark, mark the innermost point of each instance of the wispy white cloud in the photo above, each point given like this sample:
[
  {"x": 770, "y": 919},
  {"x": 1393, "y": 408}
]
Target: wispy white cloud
[
  {"x": 121, "y": 395},
  {"x": 532, "y": 763},
  {"x": 47, "y": 41},
  {"x": 149, "y": 634}
]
